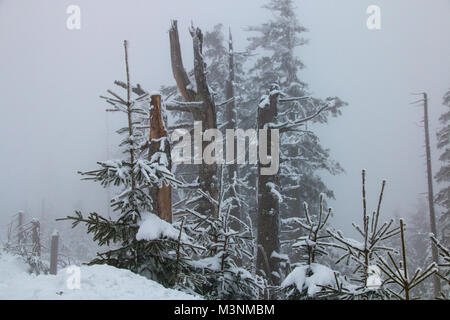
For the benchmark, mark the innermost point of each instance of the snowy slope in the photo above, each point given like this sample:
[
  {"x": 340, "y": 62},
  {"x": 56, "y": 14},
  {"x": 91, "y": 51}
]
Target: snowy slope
[{"x": 97, "y": 282}]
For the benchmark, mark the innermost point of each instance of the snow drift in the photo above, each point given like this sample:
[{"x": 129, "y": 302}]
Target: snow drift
[
  {"x": 320, "y": 276},
  {"x": 97, "y": 282}
]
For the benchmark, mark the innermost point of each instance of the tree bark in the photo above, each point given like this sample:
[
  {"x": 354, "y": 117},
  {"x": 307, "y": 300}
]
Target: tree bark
[
  {"x": 36, "y": 237},
  {"x": 434, "y": 252},
  {"x": 231, "y": 119},
  {"x": 268, "y": 237},
  {"x": 207, "y": 173},
  {"x": 161, "y": 196},
  {"x": 179, "y": 73},
  {"x": 54, "y": 253},
  {"x": 208, "y": 180}
]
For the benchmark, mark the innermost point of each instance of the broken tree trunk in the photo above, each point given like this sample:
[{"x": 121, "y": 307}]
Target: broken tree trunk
[
  {"x": 179, "y": 73},
  {"x": 159, "y": 150},
  {"x": 268, "y": 237},
  {"x": 208, "y": 181},
  {"x": 54, "y": 253}
]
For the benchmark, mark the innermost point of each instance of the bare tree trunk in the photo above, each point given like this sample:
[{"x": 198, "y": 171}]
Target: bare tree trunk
[
  {"x": 231, "y": 119},
  {"x": 20, "y": 227},
  {"x": 268, "y": 239},
  {"x": 159, "y": 143},
  {"x": 54, "y": 253},
  {"x": 208, "y": 180},
  {"x": 434, "y": 252},
  {"x": 36, "y": 237},
  {"x": 179, "y": 73},
  {"x": 207, "y": 173}
]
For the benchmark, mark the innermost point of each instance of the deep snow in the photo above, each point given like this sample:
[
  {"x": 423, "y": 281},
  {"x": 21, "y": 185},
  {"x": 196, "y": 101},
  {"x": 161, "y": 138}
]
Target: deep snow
[
  {"x": 97, "y": 282},
  {"x": 321, "y": 276}
]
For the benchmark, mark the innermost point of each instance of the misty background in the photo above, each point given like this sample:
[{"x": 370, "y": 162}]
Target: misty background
[{"x": 53, "y": 123}]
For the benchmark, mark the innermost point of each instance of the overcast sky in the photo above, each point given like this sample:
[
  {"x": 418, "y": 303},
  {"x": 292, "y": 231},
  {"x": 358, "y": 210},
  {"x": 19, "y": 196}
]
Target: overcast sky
[{"x": 53, "y": 124}]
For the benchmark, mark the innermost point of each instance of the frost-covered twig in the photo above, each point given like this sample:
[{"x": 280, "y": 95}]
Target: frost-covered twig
[{"x": 398, "y": 273}]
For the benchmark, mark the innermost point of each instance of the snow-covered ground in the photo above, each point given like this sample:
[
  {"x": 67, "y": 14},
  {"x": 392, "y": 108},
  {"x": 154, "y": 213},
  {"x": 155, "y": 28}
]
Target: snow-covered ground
[
  {"x": 96, "y": 282},
  {"x": 320, "y": 276}
]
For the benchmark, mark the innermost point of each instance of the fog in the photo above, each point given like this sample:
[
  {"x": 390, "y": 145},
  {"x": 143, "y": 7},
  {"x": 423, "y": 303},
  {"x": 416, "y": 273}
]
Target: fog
[{"x": 53, "y": 123}]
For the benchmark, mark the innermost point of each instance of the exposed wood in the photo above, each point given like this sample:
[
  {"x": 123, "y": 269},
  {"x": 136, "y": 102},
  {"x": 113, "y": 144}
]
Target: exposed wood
[
  {"x": 207, "y": 173},
  {"x": 179, "y": 73},
  {"x": 161, "y": 196},
  {"x": 206, "y": 114}
]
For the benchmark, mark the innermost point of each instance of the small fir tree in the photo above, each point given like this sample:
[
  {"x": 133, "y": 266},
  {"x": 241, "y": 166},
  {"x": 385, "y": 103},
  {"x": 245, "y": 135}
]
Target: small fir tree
[
  {"x": 363, "y": 254},
  {"x": 143, "y": 242},
  {"x": 309, "y": 276}
]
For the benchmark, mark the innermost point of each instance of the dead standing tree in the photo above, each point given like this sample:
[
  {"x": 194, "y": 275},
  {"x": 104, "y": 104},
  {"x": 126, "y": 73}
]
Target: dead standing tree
[
  {"x": 200, "y": 103},
  {"x": 158, "y": 147},
  {"x": 268, "y": 239},
  {"x": 434, "y": 250},
  {"x": 231, "y": 123},
  {"x": 269, "y": 196},
  {"x": 159, "y": 150}
]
